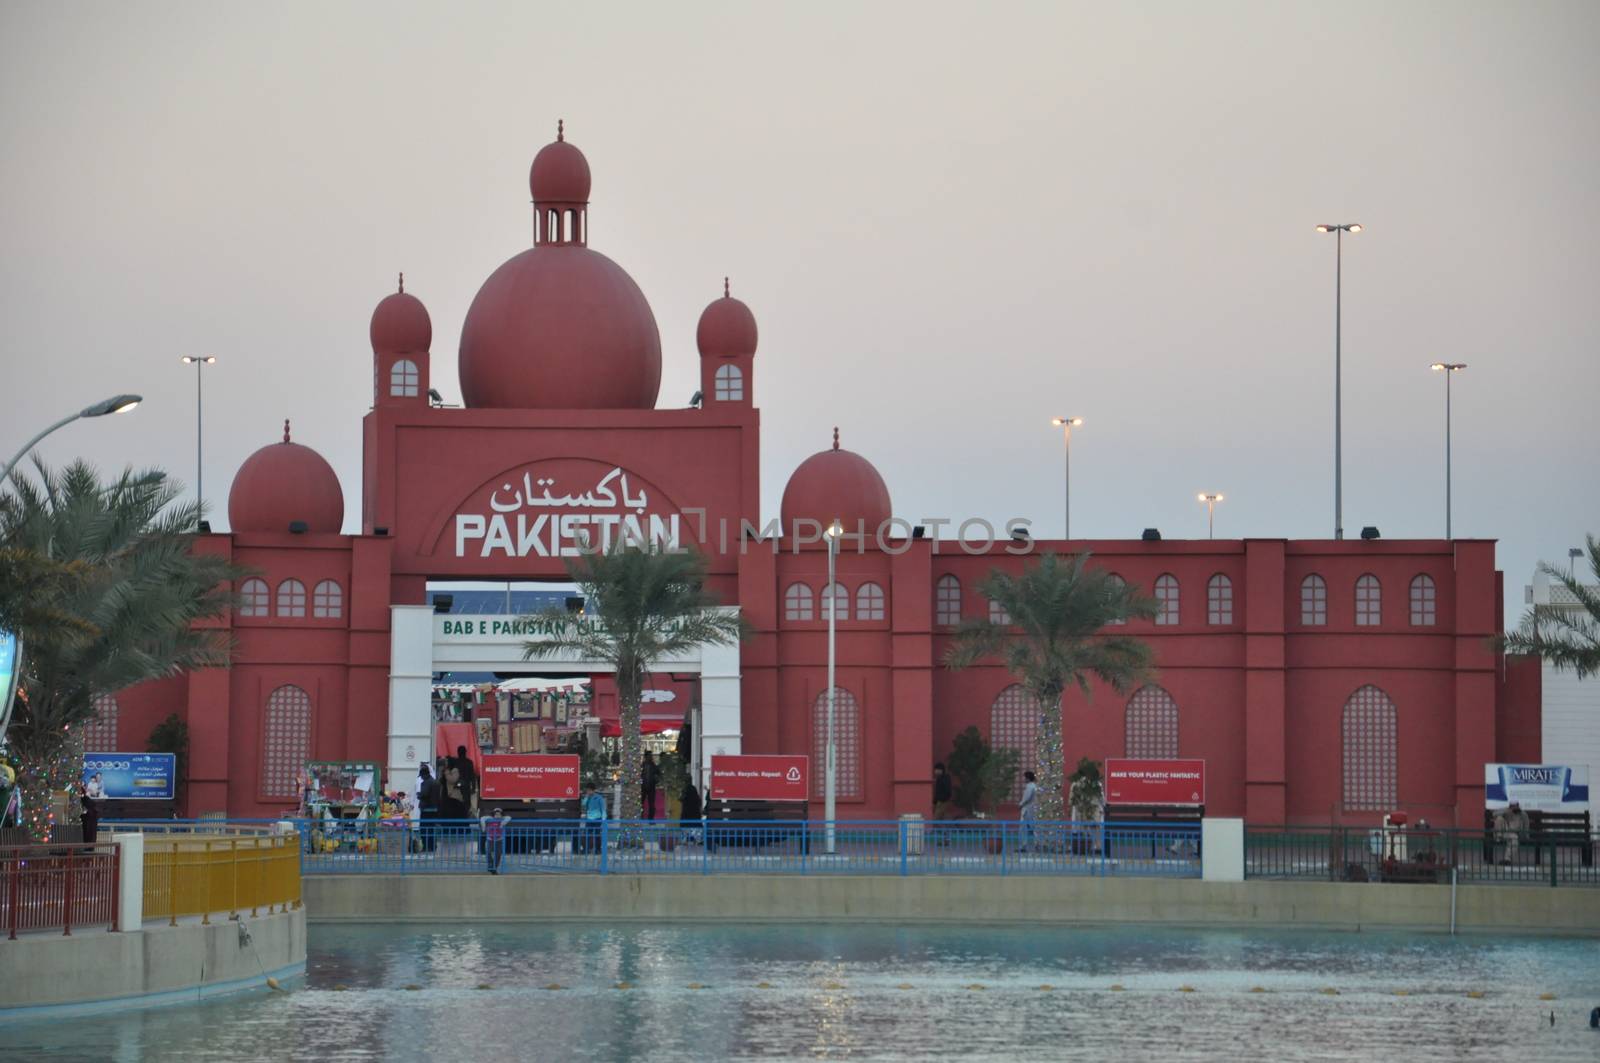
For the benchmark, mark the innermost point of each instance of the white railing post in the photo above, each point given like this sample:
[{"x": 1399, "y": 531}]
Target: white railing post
[{"x": 130, "y": 881}]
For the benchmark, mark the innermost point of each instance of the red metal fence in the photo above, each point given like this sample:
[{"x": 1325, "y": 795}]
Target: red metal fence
[{"x": 49, "y": 887}]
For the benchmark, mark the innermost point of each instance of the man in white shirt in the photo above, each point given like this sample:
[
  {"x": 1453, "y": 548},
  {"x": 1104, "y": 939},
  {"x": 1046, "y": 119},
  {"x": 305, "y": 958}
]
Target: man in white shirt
[{"x": 1028, "y": 809}]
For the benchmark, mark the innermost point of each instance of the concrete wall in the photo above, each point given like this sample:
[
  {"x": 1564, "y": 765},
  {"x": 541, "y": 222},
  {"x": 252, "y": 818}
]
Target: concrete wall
[
  {"x": 97, "y": 970},
  {"x": 756, "y": 898}
]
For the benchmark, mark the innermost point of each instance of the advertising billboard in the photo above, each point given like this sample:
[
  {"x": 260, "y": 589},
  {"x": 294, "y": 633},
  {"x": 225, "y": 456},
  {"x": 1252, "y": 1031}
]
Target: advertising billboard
[
  {"x": 130, "y": 776},
  {"x": 10, "y": 670},
  {"x": 1155, "y": 782},
  {"x": 1536, "y": 787},
  {"x": 529, "y": 777},
  {"x": 760, "y": 778}
]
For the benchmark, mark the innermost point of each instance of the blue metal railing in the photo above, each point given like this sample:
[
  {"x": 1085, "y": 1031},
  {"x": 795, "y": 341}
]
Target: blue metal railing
[{"x": 711, "y": 847}]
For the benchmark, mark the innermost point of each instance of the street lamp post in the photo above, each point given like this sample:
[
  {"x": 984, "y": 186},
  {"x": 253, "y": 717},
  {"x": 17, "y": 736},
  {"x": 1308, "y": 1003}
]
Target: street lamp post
[
  {"x": 1338, "y": 411},
  {"x": 199, "y": 364},
  {"x": 1211, "y": 501},
  {"x": 1449, "y": 369},
  {"x": 831, "y": 761},
  {"x": 1066, "y": 424},
  {"x": 115, "y": 404}
]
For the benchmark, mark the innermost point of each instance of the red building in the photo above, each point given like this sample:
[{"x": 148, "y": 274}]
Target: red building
[{"x": 1319, "y": 679}]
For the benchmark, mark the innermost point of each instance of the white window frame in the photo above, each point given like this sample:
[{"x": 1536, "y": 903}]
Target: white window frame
[
  {"x": 728, "y": 383},
  {"x": 405, "y": 379}
]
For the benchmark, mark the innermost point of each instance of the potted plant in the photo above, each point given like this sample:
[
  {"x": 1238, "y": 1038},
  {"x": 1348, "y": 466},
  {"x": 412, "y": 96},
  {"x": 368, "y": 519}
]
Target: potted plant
[
  {"x": 982, "y": 776},
  {"x": 1085, "y": 793}
]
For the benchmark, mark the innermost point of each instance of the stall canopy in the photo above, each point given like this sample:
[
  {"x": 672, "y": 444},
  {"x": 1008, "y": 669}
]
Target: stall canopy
[
  {"x": 666, "y": 704},
  {"x": 448, "y": 737}
]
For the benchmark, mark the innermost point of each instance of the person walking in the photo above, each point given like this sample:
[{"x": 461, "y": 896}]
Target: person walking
[
  {"x": 494, "y": 838},
  {"x": 1515, "y": 826},
  {"x": 594, "y": 815},
  {"x": 428, "y": 805},
  {"x": 942, "y": 791},
  {"x": 690, "y": 810},
  {"x": 649, "y": 780},
  {"x": 1028, "y": 808}
]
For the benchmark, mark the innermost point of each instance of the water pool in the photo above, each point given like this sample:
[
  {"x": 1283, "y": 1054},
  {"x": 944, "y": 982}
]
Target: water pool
[{"x": 703, "y": 992}]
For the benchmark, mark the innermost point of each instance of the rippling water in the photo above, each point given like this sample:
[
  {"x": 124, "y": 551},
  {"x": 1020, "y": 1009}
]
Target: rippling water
[{"x": 507, "y": 992}]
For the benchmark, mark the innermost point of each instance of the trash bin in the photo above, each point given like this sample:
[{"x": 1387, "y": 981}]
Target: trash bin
[{"x": 911, "y": 825}]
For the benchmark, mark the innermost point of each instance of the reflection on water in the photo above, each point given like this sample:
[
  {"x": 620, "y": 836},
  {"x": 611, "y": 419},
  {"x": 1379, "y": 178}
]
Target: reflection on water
[{"x": 592, "y": 992}]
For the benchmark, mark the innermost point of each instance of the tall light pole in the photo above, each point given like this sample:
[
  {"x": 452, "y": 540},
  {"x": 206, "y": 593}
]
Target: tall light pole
[
  {"x": 1449, "y": 369},
  {"x": 1066, "y": 424},
  {"x": 1211, "y": 501},
  {"x": 831, "y": 762},
  {"x": 199, "y": 364},
  {"x": 1338, "y": 232},
  {"x": 115, "y": 404}
]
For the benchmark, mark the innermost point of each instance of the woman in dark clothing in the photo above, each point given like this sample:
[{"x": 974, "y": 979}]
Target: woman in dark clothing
[
  {"x": 428, "y": 805},
  {"x": 90, "y": 816},
  {"x": 690, "y": 810}
]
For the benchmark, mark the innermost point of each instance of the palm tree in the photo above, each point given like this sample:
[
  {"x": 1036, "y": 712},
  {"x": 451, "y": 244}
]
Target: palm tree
[
  {"x": 1568, "y": 636},
  {"x": 642, "y": 606},
  {"x": 1053, "y": 639},
  {"x": 119, "y": 597}
]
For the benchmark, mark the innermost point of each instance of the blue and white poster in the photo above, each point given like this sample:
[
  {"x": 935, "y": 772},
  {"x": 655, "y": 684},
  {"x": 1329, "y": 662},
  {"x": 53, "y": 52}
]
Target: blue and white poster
[
  {"x": 10, "y": 669},
  {"x": 1536, "y": 787},
  {"x": 130, "y": 776}
]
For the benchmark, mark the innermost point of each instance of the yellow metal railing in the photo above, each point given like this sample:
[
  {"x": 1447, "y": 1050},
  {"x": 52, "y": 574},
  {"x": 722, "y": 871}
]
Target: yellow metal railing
[{"x": 206, "y": 874}]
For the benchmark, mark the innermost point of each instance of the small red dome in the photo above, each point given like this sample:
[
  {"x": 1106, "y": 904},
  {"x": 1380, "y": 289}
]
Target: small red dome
[
  {"x": 400, "y": 324},
  {"x": 836, "y": 484},
  {"x": 560, "y": 173},
  {"x": 560, "y": 327},
  {"x": 282, "y": 483},
  {"x": 727, "y": 328}
]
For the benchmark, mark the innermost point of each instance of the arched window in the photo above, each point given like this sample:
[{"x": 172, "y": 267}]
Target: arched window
[
  {"x": 835, "y": 596},
  {"x": 100, "y": 731},
  {"x": 1313, "y": 601},
  {"x": 797, "y": 602},
  {"x": 291, "y": 598},
  {"x": 1120, "y": 582},
  {"x": 869, "y": 602},
  {"x": 730, "y": 383},
  {"x": 1370, "y": 752},
  {"x": 327, "y": 600},
  {"x": 254, "y": 598},
  {"x": 1150, "y": 725},
  {"x": 404, "y": 379},
  {"x": 1219, "y": 600},
  {"x": 998, "y": 614},
  {"x": 846, "y": 744},
  {"x": 1166, "y": 599},
  {"x": 947, "y": 601},
  {"x": 1369, "y": 601},
  {"x": 285, "y": 741},
  {"x": 1013, "y": 723},
  {"x": 1424, "y": 601}
]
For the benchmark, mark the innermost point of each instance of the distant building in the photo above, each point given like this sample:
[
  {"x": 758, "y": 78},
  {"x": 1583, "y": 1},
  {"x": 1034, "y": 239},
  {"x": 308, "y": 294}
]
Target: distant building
[
  {"x": 1569, "y": 712},
  {"x": 1320, "y": 680}
]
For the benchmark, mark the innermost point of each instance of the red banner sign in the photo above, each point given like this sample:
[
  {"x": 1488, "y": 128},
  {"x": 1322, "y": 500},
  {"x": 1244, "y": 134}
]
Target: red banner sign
[
  {"x": 760, "y": 778},
  {"x": 529, "y": 777},
  {"x": 1155, "y": 782}
]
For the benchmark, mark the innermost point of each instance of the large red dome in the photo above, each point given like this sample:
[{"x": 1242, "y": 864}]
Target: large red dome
[
  {"x": 836, "y": 485},
  {"x": 282, "y": 483},
  {"x": 560, "y": 327}
]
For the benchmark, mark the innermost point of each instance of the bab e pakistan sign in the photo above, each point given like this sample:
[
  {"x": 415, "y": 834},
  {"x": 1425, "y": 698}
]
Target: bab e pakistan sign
[{"x": 562, "y": 508}]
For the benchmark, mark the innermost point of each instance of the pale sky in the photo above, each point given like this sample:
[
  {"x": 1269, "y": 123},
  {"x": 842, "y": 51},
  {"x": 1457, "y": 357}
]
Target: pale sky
[{"x": 951, "y": 222}]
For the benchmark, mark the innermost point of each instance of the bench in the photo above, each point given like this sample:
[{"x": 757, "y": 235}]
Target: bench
[
  {"x": 724, "y": 816},
  {"x": 1185, "y": 819},
  {"x": 1546, "y": 829}
]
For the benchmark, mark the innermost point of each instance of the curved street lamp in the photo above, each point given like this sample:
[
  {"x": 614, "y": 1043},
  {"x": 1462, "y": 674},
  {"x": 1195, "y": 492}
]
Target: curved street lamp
[{"x": 115, "y": 404}]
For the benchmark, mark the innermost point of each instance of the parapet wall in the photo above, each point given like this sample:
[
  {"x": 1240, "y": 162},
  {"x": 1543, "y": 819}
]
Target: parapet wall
[
  {"x": 949, "y": 898},
  {"x": 95, "y": 970}
]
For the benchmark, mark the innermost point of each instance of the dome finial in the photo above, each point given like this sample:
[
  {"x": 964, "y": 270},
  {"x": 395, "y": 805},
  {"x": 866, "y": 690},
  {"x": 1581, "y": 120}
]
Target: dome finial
[
  {"x": 561, "y": 129},
  {"x": 402, "y": 283},
  {"x": 725, "y": 287},
  {"x": 835, "y": 436},
  {"x": 286, "y": 431}
]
